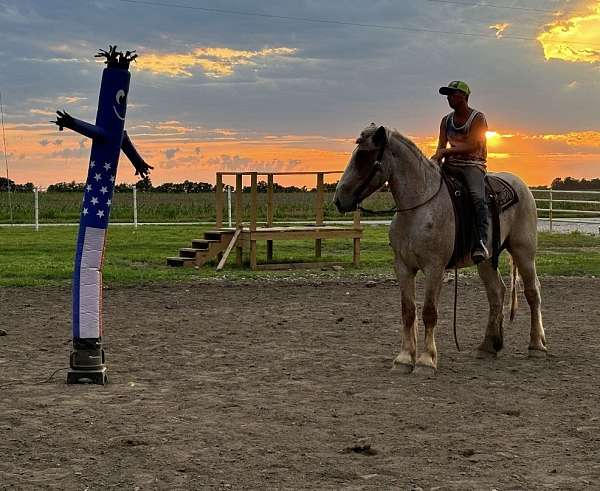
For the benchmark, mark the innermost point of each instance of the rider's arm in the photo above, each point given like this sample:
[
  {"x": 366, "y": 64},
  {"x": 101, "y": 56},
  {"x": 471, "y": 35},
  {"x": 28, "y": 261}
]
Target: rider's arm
[
  {"x": 442, "y": 142},
  {"x": 474, "y": 142}
]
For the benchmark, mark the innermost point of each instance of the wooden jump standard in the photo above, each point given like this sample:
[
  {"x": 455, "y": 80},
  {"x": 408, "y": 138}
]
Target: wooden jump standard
[{"x": 219, "y": 243}]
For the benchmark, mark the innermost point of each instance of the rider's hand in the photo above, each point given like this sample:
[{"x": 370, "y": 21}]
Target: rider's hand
[{"x": 438, "y": 156}]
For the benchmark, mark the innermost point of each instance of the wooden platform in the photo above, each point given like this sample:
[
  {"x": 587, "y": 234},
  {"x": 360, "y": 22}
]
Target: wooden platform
[
  {"x": 218, "y": 243},
  {"x": 215, "y": 242}
]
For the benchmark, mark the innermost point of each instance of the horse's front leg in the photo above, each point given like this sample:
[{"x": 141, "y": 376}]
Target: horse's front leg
[
  {"x": 408, "y": 353},
  {"x": 433, "y": 285}
]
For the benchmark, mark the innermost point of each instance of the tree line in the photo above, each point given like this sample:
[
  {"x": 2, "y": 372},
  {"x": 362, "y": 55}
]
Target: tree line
[
  {"x": 570, "y": 184},
  {"x": 145, "y": 185}
]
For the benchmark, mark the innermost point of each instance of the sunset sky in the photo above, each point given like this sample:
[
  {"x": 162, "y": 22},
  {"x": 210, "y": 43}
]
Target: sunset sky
[{"x": 292, "y": 87}]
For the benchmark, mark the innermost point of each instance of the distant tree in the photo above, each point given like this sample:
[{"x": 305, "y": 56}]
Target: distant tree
[
  {"x": 6, "y": 184},
  {"x": 571, "y": 184},
  {"x": 144, "y": 184},
  {"x": 65, "y": 187},
  {"x": 124, "y": 188},
  {"x": 185, "y": 187},
  {"x": 15, "y": 188},
  {"x": 24, "y": 188}
]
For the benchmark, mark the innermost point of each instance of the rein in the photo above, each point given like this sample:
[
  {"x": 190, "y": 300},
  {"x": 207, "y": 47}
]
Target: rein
[
  {"x": 378, "y": 166},
  {"x": 455, "y": 302},
  {"x": 396, "y": 209}
]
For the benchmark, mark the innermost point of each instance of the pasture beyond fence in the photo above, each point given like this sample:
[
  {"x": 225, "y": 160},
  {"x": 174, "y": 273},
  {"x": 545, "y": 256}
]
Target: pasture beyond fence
[{"x": 45, "y": 208}]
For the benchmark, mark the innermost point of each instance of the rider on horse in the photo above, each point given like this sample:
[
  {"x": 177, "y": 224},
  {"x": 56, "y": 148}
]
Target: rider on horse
[{"x": 464, "y": 129}]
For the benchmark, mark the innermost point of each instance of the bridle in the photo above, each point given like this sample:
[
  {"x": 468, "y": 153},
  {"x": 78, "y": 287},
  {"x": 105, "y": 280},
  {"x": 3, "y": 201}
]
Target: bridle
[{"x": 378, "y": 167}]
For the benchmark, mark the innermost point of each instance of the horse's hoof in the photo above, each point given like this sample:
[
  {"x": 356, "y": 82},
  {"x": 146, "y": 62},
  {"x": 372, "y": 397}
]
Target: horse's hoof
[
  {"x": 403, "y": 368},
  {"x": 426, "y": 371},
  {"x": 486, "y": 355},
  {"x": 537, "y": 353}
]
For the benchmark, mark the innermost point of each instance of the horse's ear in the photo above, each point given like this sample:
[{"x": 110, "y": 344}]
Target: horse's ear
[{"x": 380, "y": 136}]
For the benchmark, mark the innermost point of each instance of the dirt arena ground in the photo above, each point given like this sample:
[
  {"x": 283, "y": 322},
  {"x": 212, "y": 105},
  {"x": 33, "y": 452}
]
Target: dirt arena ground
[{"x": 288, "y": 385}]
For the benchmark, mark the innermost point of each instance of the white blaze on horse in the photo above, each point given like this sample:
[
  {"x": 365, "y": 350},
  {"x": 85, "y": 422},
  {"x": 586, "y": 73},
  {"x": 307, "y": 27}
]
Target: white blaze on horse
[{"x": 422, "y": 236}]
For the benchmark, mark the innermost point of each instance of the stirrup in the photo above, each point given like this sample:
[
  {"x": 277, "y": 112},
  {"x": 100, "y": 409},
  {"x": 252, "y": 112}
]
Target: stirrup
[{"x": 480, "y": 253}]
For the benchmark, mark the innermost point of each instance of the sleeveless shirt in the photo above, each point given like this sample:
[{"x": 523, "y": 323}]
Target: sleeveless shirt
[{"x": 460, "y": 134}]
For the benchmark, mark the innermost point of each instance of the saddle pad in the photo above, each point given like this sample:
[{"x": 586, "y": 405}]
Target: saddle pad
[{"x": 504, "y": 193}]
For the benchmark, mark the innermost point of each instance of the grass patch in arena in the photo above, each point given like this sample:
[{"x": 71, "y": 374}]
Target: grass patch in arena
[{"x": 30, "y": 258}]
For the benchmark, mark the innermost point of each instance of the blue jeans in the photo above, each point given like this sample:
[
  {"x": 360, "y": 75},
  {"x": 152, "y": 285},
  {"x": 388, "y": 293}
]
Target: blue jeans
[{"x": 473, "y": 178}]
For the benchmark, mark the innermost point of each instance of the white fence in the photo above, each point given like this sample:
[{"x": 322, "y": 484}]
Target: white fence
[
  {"x": 550, "y": 196},
  {"x": 553, "y": 205}
]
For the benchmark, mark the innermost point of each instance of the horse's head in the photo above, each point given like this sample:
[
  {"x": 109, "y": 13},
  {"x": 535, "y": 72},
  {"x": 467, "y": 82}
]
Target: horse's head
[{"x": 364, "y": 173}]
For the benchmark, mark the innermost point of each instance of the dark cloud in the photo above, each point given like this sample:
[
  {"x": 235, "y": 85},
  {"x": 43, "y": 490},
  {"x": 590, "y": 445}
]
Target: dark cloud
[
  {"x": 69, "y": 153},
  {"x": 228, "y": 162},
  {"x": 170, "y": 153},
  {"x": 340, "y": 77}
]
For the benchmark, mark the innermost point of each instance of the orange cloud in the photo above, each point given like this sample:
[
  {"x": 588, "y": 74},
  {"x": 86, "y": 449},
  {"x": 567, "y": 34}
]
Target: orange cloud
[
  {"x": 577, "y": 138},
  {"x": 178, "y": 151},
  {"x": 500, "y": 28},
  {"x": 214, "y": 62},
  {"x": 575, "y": 39}
]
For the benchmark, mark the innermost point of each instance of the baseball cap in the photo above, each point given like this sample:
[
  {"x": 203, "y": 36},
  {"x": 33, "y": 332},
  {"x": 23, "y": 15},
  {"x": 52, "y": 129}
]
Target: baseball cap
[{"x": 454, "y": 86}]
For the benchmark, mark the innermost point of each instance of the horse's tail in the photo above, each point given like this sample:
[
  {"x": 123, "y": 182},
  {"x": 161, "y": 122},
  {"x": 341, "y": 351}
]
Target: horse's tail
[{"x": 513, "y": 289}]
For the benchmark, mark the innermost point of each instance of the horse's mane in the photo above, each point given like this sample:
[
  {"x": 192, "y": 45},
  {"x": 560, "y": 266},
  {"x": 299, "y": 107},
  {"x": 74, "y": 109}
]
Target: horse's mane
[
  {"x": 412, "y": 147},
  {"x": 403, "y": 140}
]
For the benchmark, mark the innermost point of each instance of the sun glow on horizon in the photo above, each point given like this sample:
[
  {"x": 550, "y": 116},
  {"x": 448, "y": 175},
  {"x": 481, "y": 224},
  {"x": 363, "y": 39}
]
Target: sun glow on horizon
[
  {"x": 492, "y": 137},
  {"x": 180, "y": 151}
]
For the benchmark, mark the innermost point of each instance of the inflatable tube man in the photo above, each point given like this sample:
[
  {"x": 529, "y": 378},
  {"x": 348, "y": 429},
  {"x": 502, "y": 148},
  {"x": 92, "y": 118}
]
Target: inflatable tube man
[{"x": 108, "y": 139}]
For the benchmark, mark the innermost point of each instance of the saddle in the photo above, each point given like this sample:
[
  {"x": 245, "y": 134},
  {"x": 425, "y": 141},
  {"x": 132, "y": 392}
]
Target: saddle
[{"x": 500, "y": 197}]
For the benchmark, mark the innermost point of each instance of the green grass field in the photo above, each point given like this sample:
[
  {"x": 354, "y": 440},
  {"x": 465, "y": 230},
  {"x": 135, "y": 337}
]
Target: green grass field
[
  {"x": 171, "y": 207},
  {"x": 200, "y": 207},
  {"x": 29, "y": 258}
]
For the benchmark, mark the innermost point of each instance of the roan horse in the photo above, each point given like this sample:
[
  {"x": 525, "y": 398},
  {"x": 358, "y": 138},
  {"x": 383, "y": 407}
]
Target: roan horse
[{"x": 422, "y": 237}]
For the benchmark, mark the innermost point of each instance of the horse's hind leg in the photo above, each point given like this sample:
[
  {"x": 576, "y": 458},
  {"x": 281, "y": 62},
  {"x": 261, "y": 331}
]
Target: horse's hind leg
[
  {"x": 524, "y": 258},
  {"x": 495, "y": 289}
]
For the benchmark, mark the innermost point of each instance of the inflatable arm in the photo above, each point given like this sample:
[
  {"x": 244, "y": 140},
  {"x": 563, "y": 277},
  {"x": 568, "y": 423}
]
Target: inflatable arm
[
  {"x": 65, "y": 120},
  {"x": 141, "y": 167}
]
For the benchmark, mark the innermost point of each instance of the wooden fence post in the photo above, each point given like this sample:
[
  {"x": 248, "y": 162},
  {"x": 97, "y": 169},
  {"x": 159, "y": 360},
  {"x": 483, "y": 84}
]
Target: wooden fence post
[
  {"x": 219, "y": 200},
  {"x": 253, "y": 214},
  {"x": 550, "y": 209},
  {"x": 239, "y": 189},
  {"x": 269, "y": 214},
  {"x": 319, "y": 211}
]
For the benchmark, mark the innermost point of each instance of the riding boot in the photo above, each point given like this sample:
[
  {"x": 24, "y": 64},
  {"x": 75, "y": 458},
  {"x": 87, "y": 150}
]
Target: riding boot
[{"x": 480, "y": 251}]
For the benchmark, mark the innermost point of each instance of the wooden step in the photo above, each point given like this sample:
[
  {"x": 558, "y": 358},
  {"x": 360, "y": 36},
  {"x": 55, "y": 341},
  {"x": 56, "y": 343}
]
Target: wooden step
[
  {"x": 178, "y": 262},
  {"x": 190, "y": 252},
  {"x": 203, "y": 244},
  {"x": 218, "y": 234}
]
